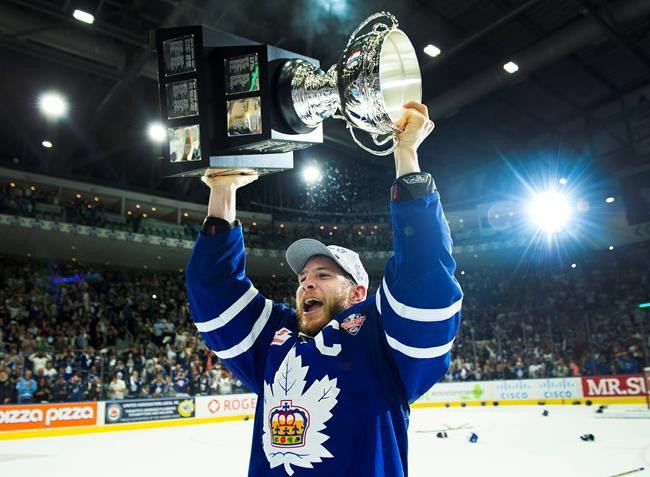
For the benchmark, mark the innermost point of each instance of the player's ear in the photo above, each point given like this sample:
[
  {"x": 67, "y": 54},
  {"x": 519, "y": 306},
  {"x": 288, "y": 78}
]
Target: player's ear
[{"x": 357, "y": 293}]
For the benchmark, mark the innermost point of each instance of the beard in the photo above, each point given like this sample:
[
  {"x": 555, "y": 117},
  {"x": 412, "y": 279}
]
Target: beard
[{"x": 329, "y": 310}]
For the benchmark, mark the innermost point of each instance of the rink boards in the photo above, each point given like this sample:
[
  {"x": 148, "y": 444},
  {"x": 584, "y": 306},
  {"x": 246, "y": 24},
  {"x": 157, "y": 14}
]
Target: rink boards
[{"x": 41, "y": 420}]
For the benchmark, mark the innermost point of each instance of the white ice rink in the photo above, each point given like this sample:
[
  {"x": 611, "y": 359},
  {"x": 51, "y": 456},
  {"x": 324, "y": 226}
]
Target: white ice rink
[{"x": 513, "y": 441}]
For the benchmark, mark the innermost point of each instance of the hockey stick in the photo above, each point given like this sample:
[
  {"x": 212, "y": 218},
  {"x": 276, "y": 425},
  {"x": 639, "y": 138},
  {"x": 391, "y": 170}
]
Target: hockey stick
[
  {"x": 628, "y": 472},
  {"x": 449, "y": 428}
]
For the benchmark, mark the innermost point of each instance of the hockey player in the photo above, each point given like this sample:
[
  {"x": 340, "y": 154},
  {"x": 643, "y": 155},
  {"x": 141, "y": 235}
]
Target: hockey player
[{"x": 336, "y": 376}]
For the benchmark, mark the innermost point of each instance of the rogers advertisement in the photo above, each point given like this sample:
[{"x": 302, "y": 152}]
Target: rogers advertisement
[
  {"x": 47, "y": 416},
  {"x": 606, "y": 386},
  {"x": 225, "y": 405}
]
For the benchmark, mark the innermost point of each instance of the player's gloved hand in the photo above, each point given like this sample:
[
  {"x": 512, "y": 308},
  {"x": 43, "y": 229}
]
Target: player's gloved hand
[
  {"x": 415, "y": 126},
  {"x": 233, "y": 182}
]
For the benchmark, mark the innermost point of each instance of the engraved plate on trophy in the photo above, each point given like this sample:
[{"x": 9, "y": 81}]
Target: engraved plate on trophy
[
  {"x": 182, "y": 99},
  {"x": 244, "y": 116},
  {"x": 242, "y": 74},
  {"x": 185, "y": 143},
  {"x": 178, "y": 54}
]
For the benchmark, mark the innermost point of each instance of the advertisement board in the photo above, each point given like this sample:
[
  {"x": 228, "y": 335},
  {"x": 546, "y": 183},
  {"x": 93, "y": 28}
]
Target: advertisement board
[
  {"x": 47, "y": 416},
  {"x": 459, "y": 392},
  {"x": 226, "y": 405},
  {"x": 606, "y": 386},
  {"x": 118, "y": 412},
  {"x": 507, "y": 390}
]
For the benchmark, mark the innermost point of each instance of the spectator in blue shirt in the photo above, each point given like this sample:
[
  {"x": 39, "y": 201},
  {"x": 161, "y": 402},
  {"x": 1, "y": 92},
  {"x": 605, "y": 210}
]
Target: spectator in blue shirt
[{"x": 26, "y": 387}]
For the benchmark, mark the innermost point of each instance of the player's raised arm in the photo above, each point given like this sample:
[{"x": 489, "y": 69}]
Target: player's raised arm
[
  {"x": 419, "y": 298},
  {"x": 232, "y": 316}
]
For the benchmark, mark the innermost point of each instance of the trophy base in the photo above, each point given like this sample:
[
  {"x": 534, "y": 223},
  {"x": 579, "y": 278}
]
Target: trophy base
[{"x": 262, "y": 164}]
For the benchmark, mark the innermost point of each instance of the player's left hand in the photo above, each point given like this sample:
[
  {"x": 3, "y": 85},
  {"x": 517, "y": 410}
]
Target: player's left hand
[
  {"x": 232, "y": 182},
  {"x": 414, "y": 124}
]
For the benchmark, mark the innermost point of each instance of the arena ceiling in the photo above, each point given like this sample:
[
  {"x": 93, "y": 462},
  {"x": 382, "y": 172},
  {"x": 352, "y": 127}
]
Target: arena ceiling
[{"x": 578, "y": 97}]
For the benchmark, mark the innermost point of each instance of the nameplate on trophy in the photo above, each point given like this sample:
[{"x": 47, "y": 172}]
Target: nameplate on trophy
[
  {"x": 182, "y": 99},
  {"x": 242, "y": 74},
  {"x": 179, "y": 55}
]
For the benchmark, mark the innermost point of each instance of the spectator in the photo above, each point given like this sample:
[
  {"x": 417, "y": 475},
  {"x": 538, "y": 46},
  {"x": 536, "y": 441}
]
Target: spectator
[
  {"x": 26, "y": 387},
  {"x": 6, "y": 389},
  {"x": 134, "y": 385},
  {"x": 44, "y": 391},
  {"x": 76, "y": 391},
  {"x": 117, "y": 387},
  {"x": 60, "y": 389},
  {"x": 39, "y": 360}
]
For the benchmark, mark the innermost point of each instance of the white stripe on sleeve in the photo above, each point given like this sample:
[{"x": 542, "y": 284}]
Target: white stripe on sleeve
[
  {"x": 420, "y": 353},
  {"x": 233, "y": 310},
  {"x": 378, "y": 300},
  {"x": 420, "y": 314},
  {"x": 245, "y": 344}
]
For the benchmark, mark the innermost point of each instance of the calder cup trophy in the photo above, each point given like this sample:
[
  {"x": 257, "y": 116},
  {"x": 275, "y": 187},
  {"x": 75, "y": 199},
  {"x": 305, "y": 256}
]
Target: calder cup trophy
[{"x": 237, "y": 106}]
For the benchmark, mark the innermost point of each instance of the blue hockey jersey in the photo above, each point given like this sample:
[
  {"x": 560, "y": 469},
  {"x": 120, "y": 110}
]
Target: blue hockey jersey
[{"x": 337, "y": 404}]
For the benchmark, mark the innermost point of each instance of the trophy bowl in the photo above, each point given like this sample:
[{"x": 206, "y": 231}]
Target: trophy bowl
[{"x": 376, "y": 74}]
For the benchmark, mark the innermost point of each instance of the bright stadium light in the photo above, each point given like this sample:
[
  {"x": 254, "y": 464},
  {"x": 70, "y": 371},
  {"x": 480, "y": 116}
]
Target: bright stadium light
[
  {"x": 157, "y": 132},
  {"x": 53, "y": 105},
  {"x": 550, "y": 211},
  {"x": 84, "y": 17},
  {"x": 511, "y": 67},
  {"x": 311, "y": 174},
  {"x": 432, "y": 50}
]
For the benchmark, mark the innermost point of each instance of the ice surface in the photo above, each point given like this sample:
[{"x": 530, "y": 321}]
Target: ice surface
[{"x": 513, "y": 441}]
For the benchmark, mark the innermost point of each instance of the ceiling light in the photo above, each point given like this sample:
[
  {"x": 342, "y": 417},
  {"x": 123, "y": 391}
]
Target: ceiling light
[
  {"x": 311, "y": 174},
  {"x": 157, "y": 132},
  {"x": 432, "y": 50},
  {"x": 53, "y": 105},
  {"x": 84, "y": 17},
  {"x": 610, "y": 199},
  {"x": 47, "y": 144},
  {"x": 563, "y": 180},
  {"x": 153, "y": 209},
  {"x": 511, "y": 67},
  {"x": 185, "y": 214}
]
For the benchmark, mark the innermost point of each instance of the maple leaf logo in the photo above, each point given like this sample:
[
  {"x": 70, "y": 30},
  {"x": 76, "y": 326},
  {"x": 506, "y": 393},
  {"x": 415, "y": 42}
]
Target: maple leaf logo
[{"x": 293, "y": 419}]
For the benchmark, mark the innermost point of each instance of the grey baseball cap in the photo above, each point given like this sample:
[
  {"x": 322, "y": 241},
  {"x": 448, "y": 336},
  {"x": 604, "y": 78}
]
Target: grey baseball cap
[{"x": 302, "y": 250}]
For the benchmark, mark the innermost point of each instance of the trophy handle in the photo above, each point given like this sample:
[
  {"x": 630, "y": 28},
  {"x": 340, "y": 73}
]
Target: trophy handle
[
  {"x": 381, "y": 152},
  {"x": 372, "y": 18}
]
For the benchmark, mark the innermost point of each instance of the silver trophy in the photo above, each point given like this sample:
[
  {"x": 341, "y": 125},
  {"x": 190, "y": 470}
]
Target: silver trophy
[{"x": 376, "y": 74}]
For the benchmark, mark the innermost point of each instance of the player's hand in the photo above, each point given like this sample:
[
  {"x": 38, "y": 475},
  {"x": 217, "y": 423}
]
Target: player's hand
[
  {"x": 228, "y": 182},
  {"x": 415, "y": 126}
]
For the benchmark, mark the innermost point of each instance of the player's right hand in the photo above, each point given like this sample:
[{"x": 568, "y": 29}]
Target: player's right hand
[
  {"x": 228, "y": 182},
  {"x": 414, "y": 125}
]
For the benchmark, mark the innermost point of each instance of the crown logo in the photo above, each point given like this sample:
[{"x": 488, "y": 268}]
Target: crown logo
[{"x": 288, "y": 425}]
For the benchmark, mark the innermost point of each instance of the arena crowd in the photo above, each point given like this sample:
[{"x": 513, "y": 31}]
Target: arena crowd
[{"x": 70, "y": 332}]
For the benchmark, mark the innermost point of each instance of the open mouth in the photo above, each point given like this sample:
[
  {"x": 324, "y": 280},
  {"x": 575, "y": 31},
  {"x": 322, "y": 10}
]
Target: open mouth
[{"x": 312, "y": 304}]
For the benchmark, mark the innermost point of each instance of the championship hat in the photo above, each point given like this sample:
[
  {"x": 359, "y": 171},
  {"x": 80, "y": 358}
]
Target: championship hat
[{"x": 302, "y": 250}]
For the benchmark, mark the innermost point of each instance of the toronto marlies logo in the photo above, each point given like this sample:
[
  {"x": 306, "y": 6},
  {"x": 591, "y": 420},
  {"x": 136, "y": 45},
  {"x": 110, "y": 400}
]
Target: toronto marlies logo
[{"x": 294, "y": 418}]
